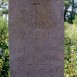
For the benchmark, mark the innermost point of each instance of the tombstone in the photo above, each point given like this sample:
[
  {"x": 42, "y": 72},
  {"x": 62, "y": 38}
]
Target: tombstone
[{"x": 36, "y": 37}]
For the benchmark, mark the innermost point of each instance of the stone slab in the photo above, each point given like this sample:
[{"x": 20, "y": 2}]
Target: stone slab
[{"x": 36, "y": 36}]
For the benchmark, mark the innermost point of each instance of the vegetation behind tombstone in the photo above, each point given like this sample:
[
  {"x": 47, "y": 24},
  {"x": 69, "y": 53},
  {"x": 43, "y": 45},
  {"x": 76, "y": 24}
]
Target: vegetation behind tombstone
[
  {"x": 70, "y": 46},
  {"x": 70, "y": 10},
  {"x": 4, "y": 53}
]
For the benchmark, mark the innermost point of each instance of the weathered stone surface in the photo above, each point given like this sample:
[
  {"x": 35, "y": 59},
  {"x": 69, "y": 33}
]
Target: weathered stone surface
[{"x": 36, "y": 38}]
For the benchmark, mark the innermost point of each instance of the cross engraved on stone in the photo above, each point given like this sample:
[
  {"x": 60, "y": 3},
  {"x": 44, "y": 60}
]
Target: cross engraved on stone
[{"x": 36, "y": 4}]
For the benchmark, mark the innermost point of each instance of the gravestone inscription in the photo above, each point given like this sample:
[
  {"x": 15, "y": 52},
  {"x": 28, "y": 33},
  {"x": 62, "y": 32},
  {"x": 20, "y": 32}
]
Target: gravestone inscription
[{"x": 36, "y": 36}]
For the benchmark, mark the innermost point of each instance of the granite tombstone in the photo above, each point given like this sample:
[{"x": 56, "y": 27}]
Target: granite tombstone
[{"x": 36, "y": 37}]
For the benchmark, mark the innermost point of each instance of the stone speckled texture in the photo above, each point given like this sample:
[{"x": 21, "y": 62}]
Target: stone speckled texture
[{"x": 36, "y": 36}]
